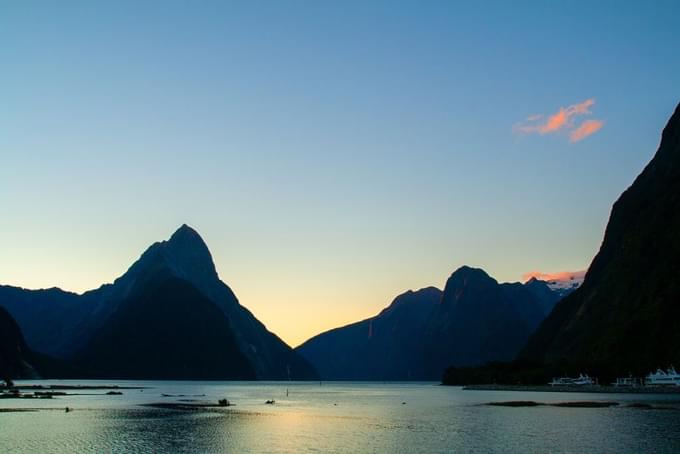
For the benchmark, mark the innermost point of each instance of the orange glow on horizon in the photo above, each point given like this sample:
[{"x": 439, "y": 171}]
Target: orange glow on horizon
[{"x": 557, "y": 276}]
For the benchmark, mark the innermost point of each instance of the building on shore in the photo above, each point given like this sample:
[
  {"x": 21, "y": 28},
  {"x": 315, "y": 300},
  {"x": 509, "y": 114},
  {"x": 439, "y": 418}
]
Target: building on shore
[
  {"x": 581, "y": 380},
  {"x": 628, "y": 382}
]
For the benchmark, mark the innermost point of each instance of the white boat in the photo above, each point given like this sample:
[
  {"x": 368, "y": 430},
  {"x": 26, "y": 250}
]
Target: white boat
[
  {"x": 581, "y": 380},
  {"x": 663, "y": 378}
]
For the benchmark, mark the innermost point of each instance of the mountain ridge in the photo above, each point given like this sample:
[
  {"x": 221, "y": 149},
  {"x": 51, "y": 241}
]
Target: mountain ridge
[{"x": 412, "y": 338}]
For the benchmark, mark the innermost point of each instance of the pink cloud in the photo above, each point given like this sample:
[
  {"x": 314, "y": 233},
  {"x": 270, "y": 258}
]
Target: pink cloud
[
  {"x": 563, "y": 119},
  {"x": 557, "y": 276},
  {"x": 586, "y": 129},
  {"x": 555, "y": 122}
]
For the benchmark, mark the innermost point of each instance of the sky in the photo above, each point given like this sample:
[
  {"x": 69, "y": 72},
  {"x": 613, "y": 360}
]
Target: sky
[{"x": 332, "y": 154}]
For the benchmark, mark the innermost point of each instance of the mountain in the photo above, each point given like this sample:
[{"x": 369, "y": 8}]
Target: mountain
[
  {"x": 625, "y": 317},
  {"x": 79, "y": 327},
  {"x": 13, "y": 350},
  {"x": 474, "y": 320},
  {"x": 50, "y": 319},
  {"x": 379, "y": 348},
  {"x": 186, "y": 256},
  {"x": 566, "y": 284},
  {"x": 479, "y": 320},
  {"x": 166, "y": 329},
  {"x": 546, "y": 295}
]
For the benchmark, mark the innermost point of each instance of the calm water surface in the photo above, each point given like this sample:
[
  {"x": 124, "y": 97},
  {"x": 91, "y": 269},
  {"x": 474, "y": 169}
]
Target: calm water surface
[{"x": 333, "y": 417}]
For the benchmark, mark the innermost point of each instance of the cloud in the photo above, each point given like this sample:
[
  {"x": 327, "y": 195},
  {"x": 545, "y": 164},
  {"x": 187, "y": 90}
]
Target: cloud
[
  {"x": 587, "y": 128},
  {"x": 563, "y": 119},
  {"x": 558, "y": 276}
]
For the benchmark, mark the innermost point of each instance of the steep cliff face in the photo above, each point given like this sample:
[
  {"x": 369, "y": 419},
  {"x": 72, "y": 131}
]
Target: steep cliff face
[
  {"x": 13, "y": 350},
  {"x": 626, "y": 315}
]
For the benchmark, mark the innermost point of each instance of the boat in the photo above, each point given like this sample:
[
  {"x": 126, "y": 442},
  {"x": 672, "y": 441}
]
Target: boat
[
  {"x": 581, "y": 380},
  {"x": 662, "y": 377}
]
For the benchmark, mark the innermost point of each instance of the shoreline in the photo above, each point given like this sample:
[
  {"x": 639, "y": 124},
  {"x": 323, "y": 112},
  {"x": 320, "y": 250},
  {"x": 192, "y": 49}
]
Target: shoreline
[
  {"x": 602, "y": 389},
  {"x": 49, "y": 387}
]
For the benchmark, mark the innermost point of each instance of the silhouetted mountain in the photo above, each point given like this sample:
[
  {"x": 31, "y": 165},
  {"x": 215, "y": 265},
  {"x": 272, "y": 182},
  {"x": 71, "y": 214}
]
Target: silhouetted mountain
[
  {"x": 546, "y": 296},
  {"x": 186, "y": 256},
  {"x": 473, "y": 321},
  {"x": 13, "y": 350},
  {"x": 478, "y": 321},
  {"x": 65, "y": 325},
  {"x": 380, "y": 348},
  {"x": 166, "y": 329},
  {"x": 50, "y": 319},
  {"x": 626, "y": 317}
]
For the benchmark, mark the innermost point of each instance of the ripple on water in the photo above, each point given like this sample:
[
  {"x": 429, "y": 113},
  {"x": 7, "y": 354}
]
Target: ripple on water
[{"x": 367, "y": 418}]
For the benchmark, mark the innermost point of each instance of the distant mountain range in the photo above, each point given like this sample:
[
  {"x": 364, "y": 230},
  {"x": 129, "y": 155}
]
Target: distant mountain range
[
  {"x": 625, "y": 318},
  {"x": 168, "y": 317},
  {"x": 566, "y": 285},
  {"x": 473, "y": 321}
]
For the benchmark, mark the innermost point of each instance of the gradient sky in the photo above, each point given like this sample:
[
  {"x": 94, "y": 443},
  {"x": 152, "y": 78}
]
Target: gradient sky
[{"x": 331, "y": 155}]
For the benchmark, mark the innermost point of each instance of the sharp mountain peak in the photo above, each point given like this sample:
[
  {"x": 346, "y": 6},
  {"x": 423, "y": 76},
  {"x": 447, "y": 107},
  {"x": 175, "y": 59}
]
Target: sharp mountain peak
[{"x": 186, "y": 234}]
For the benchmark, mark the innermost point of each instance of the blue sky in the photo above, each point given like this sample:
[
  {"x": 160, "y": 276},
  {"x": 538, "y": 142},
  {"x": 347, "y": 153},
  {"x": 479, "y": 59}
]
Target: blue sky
[{"x": 332, "y": 155}]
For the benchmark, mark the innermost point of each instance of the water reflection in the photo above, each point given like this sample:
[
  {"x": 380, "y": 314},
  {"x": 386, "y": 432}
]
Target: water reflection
[{"x": 336, "y": 418}]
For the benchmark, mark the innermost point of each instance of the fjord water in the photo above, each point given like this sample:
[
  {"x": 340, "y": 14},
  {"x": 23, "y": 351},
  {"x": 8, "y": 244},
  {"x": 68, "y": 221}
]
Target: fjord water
[{"x": 333, "y": 417}]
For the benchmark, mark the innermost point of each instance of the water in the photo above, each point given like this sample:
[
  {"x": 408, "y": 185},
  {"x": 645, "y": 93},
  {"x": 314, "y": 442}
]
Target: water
[{"x": 334, "y": 417}]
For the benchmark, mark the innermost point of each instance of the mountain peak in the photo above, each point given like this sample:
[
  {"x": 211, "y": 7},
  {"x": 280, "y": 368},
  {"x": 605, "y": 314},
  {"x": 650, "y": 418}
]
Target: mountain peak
[
  {"x": 464, "y": 281},
  {"x": 184, "y": 255},
  {"x": 188, "y": 256},
  {"x": 186, "y": 252},
  {"x": 467, "y": 273},
  {"x": 185, "y": 234},
  {"x": 185, "y": 229}
]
